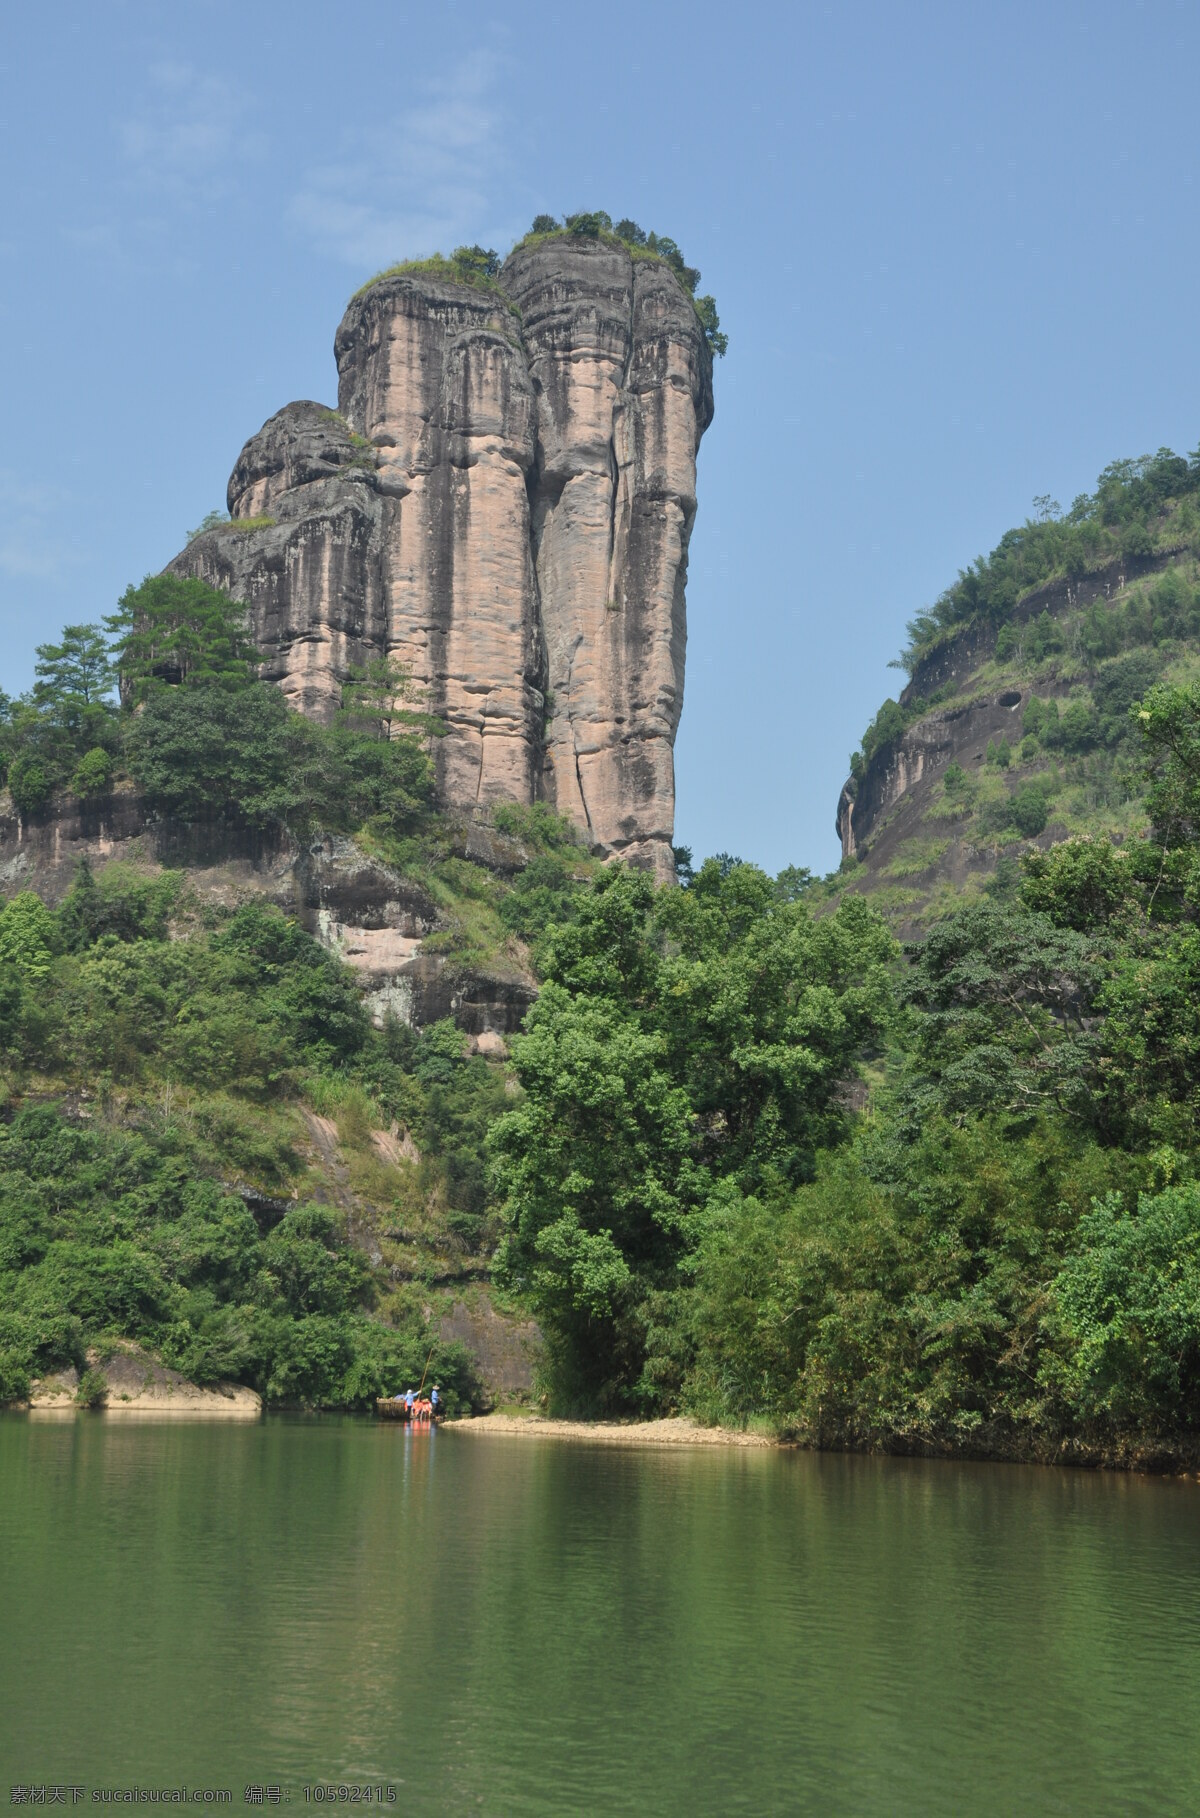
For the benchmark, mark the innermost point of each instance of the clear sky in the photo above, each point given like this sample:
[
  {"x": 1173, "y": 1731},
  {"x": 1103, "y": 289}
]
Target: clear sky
[{"x": 955, "y": 249}]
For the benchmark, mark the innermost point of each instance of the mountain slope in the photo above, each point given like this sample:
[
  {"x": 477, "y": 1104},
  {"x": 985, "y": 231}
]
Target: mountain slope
[{"x": 1015, "y": 726}]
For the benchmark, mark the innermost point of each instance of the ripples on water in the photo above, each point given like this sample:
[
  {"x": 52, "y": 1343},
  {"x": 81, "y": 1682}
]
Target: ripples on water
[{"x": 513, "y": 1626}]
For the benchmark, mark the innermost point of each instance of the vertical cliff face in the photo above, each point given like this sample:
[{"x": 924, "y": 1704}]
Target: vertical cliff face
[
  {"x": 433, "y": 375},
  {"x": 623, "y": 383},
  {"x": 503, "y": 502}
]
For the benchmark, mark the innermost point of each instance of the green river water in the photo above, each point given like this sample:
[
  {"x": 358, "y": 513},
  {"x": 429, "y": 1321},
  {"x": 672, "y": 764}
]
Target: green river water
[{"x": 514, "y": 1626}]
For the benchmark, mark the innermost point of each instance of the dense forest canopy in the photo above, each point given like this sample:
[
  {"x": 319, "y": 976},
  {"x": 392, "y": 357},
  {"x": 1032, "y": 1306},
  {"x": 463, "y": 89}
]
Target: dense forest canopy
[
  {"x": 172, "y": 1205},
  {"x": 1002, "y": 1253},
  {"x": 209, "y": 739}
]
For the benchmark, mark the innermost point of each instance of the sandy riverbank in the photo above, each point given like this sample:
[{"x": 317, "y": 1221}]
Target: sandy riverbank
[{"x": 676, "y": 1432}]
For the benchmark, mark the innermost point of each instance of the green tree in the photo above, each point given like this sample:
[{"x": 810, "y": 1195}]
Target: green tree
[
  {"x": 682, "y": 1036},
  {"x": 598, "y": 1185},
  {"x": 1004, "y": 1000},
  {"x": 31, "y": 780},
  {"x": 198, "y": 753},
  {"x": 1128, "y": 1303},
  {"x": 766, "y": 1009},
  {"x": 176, "y": 629},
  {"x": 1081, "y": 883},
  {"x": 1029, "y": 810},
  {"x": 589, "y": 226},
  {"x": 482, "y": 261},
  {"x": 29, "y": 936},
  {"x": 957, "y": 784},
  {"x": 375, "y": 767},
  {"x": 1150, "y": 1067},
  {"x": 375, "y": 698},
  {"x": 212, "y": 520},
  {"x": 93, "y": 773},
  {"x": 1169, "y": 722},
  {"x": 74, "y": 674},
  {"x": 710, "y": 322}
]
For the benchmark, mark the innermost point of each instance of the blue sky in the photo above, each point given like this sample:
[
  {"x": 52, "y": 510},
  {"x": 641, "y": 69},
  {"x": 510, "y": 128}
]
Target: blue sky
[{"x": 954, "y": 247}]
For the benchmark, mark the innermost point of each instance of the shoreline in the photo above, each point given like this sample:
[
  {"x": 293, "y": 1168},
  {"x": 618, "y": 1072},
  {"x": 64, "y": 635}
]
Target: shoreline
[
  {"x": 679, "y": 1431},
  {"x": 676, "y": 1431}
]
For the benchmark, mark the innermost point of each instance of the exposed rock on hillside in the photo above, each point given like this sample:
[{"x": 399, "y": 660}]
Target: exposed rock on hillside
[
  {"x": 623, "y": 384},
  {"x": 950, "y": 733},
  {"x": 922, "y": 752},
  {"x": 302, "y": 551},
  {"x": 503, "y": 503},
  {"x": 136, "y": 1383},
  {"x": 1018, "y": 740},
  {"x": 371, "y": 916}
]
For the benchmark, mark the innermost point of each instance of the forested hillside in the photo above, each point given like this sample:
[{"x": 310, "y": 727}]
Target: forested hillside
[
  {"x": 749, "y": 1158},
  {"x": 1014, "y": 728},
  {"x": 206, "y": 1144},
  {"x": 999, "y": 1255}
]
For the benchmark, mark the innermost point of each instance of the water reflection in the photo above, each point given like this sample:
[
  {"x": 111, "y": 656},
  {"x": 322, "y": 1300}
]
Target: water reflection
[{"x": 523, "y": 1627}]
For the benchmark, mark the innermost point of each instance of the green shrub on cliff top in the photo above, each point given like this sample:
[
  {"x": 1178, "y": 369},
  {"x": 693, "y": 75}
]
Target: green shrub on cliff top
[
  {"x": 597, "y": 225},
  {"x": 475, "y": 266},
  {"x": 479, "y": 266}
]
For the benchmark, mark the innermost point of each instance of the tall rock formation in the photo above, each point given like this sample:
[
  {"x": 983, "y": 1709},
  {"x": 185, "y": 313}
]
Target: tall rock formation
[{"x": 502, "y": 502}]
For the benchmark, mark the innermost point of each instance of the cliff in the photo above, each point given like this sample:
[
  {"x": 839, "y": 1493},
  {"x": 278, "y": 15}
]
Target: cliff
[
  {"x": 1016, "y": 735},
  {"x": 401, "y": 942},
  {"x": 502, "y": 502},
  {"x": 973, "y": 715}
]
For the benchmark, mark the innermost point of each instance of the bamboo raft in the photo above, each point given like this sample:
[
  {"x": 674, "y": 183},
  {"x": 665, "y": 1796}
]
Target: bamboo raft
[{"x": 388, "y": 1408}]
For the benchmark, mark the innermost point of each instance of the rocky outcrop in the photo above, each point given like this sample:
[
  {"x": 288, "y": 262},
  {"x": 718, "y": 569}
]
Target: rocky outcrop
[
  {"x": 960, "y": 732},
  {"x": 375, "y": 919},
  {"x": 137, "y": 1383},
  {"x": 302, "y": 550},
  {"x": 505, "y": 1349},
  {"x": 434, "y": 375},
  {"x": 920, "y": 755},
  {"x": 502, "y": 502},
  {"x": 623, "y": 382}
]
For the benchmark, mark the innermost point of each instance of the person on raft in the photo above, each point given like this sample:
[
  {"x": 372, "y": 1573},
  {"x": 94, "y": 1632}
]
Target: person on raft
[{"x": 435, "y": 1402}]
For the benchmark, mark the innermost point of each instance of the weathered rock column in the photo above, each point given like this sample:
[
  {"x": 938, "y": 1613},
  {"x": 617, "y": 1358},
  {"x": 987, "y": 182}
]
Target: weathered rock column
[
  {"x": 502, "y": 502},
  {"x": 623, "y": 381},
  {"x": 434, "y": 376},
  {"x": 312, "y": 579}
]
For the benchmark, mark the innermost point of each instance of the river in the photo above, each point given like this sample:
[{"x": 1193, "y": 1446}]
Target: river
[{"x": 519, "y": 1626}]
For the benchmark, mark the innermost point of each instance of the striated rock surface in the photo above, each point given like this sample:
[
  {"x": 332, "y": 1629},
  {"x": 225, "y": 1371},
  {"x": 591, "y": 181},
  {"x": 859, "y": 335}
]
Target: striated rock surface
[
  {"x": 308, "y": 564},
  {"x": 624, "y": 393},
  {"x": 921, "y": 755},
  {"x": 435, "y": 376},
  {"x": 502, "y": 502}
]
